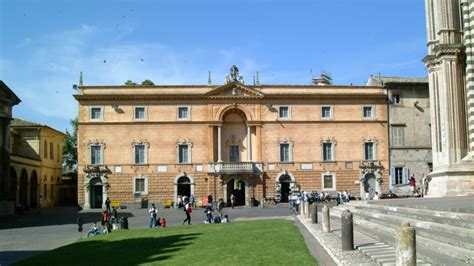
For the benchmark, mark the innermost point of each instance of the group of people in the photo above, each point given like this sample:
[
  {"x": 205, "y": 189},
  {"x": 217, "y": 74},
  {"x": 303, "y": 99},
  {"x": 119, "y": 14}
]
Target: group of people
[
  {"x": 108, "y": 220},
  {"x": 416, "y": 191},
  {"x": 343, "y": 197},
  {"x": 181, "y": 201},
  {"x": 156, "y": 221}
]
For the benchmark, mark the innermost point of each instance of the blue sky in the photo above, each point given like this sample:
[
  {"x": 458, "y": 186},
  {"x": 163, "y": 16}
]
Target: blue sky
[{"x": 45, "y": 44}]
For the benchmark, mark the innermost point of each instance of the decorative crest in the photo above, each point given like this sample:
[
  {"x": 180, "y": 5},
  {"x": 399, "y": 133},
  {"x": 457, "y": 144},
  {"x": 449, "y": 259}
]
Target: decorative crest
[{"x": 234, "y": 75}]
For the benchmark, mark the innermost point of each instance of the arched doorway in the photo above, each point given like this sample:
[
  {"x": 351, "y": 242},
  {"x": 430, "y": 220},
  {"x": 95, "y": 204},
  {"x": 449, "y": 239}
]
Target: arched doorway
[
  {"x": 369, "y": 185},
  {"x": 236, "y": 187},
  {"x": 184, "y": 186},
  {"x": 13, "y": 183},
  {"x": 96, "y": 190},
  {"x": 285, "y": 181},
  {"x": 23, "y": 187},
  {"x": 34, "y": 190}
]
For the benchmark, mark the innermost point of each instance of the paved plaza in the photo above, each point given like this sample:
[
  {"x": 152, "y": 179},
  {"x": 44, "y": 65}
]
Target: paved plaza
[{"x": 31, "y": 234}]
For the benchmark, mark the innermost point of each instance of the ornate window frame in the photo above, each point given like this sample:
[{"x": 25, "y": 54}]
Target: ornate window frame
[
  {"x": 374, "y": 152},
  {"x": 146, "y": 144},
  {"x": 333, "y": 143},
  {"x": 145, "y": 192},
  {"x": 145, "y": 116},
  {"x": 188, "y": 117},
  {"x": 289, "y": 112},
  {"x": 327, "y": 173},
  {"x": 190, "y": 147},
  {"x": 290, "y": 150},
  {"x": 96, "y": 142}
]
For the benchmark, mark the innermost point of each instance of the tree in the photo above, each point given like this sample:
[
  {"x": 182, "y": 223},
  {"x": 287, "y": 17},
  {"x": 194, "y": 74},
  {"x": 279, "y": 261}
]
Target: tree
[
  {"x": 130, "y": 83},
  {"x": 147, "y": 82},
  {"x": 70, "y": 150}
]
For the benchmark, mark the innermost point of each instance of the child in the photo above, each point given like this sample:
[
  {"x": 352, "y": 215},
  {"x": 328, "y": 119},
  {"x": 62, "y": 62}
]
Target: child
[{"x": 163, "y": 222}]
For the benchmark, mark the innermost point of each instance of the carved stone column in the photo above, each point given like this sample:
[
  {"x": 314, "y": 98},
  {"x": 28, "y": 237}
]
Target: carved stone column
[{"x": 219, "y": 143}]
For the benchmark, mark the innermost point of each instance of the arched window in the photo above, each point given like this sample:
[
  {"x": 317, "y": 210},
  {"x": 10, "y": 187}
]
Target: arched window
[
  {"x": 45, "y": 149},
  {"x": 51, "y": 151}
]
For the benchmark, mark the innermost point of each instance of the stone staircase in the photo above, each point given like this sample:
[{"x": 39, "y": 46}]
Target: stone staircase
[{"x": 442, "y": 237}]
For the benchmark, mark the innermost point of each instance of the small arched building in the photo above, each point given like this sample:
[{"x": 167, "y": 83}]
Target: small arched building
[{"x": 153, "y": 143}]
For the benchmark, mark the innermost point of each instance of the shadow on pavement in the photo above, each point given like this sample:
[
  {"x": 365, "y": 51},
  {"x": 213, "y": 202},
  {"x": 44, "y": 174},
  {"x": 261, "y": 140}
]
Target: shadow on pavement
[
  {"x": 8, "y": 257},
  {"x": 133, "y": 251},
  {"x": 53, "y": 216}
]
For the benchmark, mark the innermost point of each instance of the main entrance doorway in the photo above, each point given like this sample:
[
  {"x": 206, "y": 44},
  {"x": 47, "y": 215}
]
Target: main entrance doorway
[
  {"x": 236, "y": 187},
  {"x": 96, "y": 190},
  {"x": 184, "y": 186},
  {"x": 285, "y": 181},
  {"x": 369, "y": 185}
]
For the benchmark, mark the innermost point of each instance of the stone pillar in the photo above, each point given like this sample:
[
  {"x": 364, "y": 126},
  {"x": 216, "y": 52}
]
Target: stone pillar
[
  {"x": 314, "y": 213},
  {"x": 326, "y": 220},
  {"x": 87, "y": 204},
  {"x": 249, "y": 143},
  {"x": 302, "y": 208},
  {"x": 219, "y": 143},
  {"x": 347, "y": 231},
  {"x": 306, "y": 210},
  {"x": 406, "y": 245}
]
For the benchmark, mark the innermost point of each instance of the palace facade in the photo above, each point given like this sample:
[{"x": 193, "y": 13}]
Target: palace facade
[{"x": 258, "y": 142}]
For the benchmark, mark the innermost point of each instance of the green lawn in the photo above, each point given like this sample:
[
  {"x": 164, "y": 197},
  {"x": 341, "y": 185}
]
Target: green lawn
[{"x": 271, "y": 242}]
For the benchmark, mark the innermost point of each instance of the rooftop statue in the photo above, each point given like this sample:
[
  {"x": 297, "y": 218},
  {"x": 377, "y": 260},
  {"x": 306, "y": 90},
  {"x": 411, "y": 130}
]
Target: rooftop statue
[{"x": 234, "y": 75}]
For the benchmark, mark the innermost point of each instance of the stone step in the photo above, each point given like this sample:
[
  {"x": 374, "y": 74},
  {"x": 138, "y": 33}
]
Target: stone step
[
  {"x": 463, "y": 220},
  {"x": 427, "y": 249},
  {"x": 455, "y": 236}
]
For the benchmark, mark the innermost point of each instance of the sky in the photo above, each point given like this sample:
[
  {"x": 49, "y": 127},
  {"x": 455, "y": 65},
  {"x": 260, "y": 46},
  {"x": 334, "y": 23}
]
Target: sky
[{"x": 45, "y": 44}]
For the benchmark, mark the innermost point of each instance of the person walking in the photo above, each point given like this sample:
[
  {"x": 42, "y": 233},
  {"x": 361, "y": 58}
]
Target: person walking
[
  {"x": 188, "y": 210},
  {"x": 412, "y": 184},
  {"x": 153, "y": 214},
  {"x": 208, "y": 211},
  {"x": 232, "y": 200},
  {"x": 107, "y": 204},
  {"x": 192, "y": 201},
  {"x": 220, "y": 206}
]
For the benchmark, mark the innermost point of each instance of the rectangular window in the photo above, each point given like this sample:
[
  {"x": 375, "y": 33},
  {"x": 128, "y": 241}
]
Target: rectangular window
[
  {"x": 183, "y": 154},
  {"x": 369, "y": 151},
  {"x": 328, "y": 182},
  {"x": 398, "y": 179},
  {"x": 368, "y": 112},
  {"x": 140, "y": 157},
  {"x": 284, "y": 152},
  {"x": 326, "y": 112},
  {"x": 396, "y": 98},
  {"x": 139, "y": 113},
  {"x": 327, "y": 152},
  {"x": 96, "y": 154},
  {"x": 96, "y": 113},
  {"x": 283, "y": 112},
  {"x": 397, "y": 136},
  {"x": 183, "y": 112},
  {"x": 140, "y": 185},
  {"x": 234, "y": 153}
]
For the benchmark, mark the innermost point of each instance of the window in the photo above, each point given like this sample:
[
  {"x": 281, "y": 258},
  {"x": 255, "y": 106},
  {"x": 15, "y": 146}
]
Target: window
[
  {"x": 368, "y": 112},
  {"x": 51, "y": 151},
  {"x": 369, "y": 151},
  {"x": 140, "y": 154},
  {"x": 234, "y": 153},
  {"x": 183, "y": 112},
  {"x": 396, "y": 99},
  {"x": 183, "y": 156},
  {"x": 284, "y": 152},
  {"x": 140, "y": 185},
  {"x": 327, "y": 152},
  {"x": 45, "y": 190},
  {"x": 326, "y": 112},
  {"x": 328, "y": 181},
  {"x": 57, "y": 152},
  {"x": 284, "y": 112},
  {"x": 96, "y": 154},
  {"x": 96, "y": 113},
  {"x": 399, "y": 175},
  {"x": 139, "y": 113},
  {"x": 45, "y": 153},
  {"x": 397, "y": 136}
]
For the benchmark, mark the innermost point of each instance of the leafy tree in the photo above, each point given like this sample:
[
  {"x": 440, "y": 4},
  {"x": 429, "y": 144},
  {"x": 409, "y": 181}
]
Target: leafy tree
[
  {"x": 70, "y": 150},
  {"x": 130, "y": 83},
  {"x": 147, "y": 82}
]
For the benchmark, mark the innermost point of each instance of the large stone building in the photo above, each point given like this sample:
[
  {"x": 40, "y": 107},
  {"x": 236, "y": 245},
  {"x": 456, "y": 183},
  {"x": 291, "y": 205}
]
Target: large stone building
[
  {"x": 152, "y": 143},
  {"x": 450, "y": 63},
  {"x": 36, "y": 164},
  {"x": 410, "y": 132},
  {"x": 8, "y": 99}
]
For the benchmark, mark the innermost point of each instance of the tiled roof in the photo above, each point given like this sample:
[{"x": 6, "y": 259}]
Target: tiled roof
[
  {"x": 382, "y": 80},
  {"x": 16, "y": 122}
]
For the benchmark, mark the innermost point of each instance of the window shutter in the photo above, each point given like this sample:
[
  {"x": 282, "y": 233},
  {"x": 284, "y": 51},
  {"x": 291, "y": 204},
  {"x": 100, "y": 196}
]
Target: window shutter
[
  {"x": 406, "y": 173},
  {"x": 392, "y": 175}
]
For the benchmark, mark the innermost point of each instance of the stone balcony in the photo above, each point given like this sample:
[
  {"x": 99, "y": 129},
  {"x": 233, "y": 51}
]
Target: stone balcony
[{"x": 235, "y": 168}]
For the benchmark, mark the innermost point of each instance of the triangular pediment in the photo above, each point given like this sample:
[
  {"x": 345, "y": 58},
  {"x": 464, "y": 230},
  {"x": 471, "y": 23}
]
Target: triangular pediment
[{"x": 234, "y": 89}]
